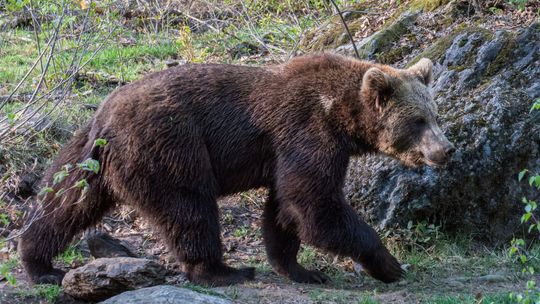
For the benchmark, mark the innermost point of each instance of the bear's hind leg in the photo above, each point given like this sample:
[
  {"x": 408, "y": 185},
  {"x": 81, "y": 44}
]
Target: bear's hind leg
[
  {"x": 56, "y": 223},
  {"x": 190, "y": 224},
  {"x": 282, "y": 245}
]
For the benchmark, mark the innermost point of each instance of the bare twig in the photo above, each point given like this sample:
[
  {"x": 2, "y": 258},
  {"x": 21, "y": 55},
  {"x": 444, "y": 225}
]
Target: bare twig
[
  {"x": 54, "y": 95},
  {"x": 346, "y": 28},
  {"x": 207, "y": 24}
]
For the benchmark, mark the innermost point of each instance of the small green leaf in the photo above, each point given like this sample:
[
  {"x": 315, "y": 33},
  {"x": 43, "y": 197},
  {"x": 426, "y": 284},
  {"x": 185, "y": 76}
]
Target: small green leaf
[
  {"x": 100, "y": 142},
  {"x": 522, "y": 174},
  {"x": 90, "y": 165},
  {"x": 45, "y": 190},
  {"x": 525, "y": 217},
  {"x": 59, "y": 176},
  {"x": 4, "y": 219},
  {"x": 537, "y": 180},
  {"x": 82, "y": 184},
  {"x": 10, "y": 278},
  {"x": 513, "y": 250},
  {"x": 535, "y": 106}
]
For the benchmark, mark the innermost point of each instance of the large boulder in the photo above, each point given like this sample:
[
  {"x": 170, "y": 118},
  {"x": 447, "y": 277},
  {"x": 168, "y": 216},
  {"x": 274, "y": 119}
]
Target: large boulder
[
  {"x": 164, "y": 294},
  {"x": 107, "y": 277},
  {"x": 484, "y": 85}
]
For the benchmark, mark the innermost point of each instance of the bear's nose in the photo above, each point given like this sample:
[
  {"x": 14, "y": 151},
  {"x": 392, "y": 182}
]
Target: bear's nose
[{"x": 449, "y": 150}]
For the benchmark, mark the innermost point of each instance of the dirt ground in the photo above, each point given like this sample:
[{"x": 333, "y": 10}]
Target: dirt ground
[{"x": 459, "y": 278}]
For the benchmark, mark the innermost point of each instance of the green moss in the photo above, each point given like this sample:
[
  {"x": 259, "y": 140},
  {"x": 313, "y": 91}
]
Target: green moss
[
  {"x": 504, "y": 55},
  {"x": 394, "y": 54},
  {"x": 458, "y": 68},
  {"x": 427, "y": 5}
]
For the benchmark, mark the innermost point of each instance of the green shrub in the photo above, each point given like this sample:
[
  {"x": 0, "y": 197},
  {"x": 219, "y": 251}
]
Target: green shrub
[{"x": 518, "y": 248}]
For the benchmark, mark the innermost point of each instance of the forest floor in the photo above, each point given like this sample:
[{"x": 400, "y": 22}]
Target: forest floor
[{"x": 441, "y": 268}]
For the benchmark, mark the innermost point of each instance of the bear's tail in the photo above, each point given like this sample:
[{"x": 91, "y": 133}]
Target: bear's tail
[{"x": 73, "y": 197}]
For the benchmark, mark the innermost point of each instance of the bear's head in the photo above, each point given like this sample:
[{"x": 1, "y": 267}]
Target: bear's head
[{"x": 405, "y": 115}]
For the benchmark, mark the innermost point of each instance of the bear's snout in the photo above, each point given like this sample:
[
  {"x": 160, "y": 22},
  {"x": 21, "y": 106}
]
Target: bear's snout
[{"x": 436, "y": 149}]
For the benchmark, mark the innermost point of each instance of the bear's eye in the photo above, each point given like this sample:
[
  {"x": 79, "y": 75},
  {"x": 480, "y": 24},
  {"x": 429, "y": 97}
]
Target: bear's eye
[{"x": 419, "y": 122}]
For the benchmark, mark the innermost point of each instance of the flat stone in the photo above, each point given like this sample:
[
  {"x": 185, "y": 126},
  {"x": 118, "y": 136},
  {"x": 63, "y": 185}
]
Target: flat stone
[{"x": 164, "y": 294}]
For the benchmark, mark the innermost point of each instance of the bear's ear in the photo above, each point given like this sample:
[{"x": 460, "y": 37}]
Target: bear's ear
[
  {"x": 377, "y": 86},
  {"x": 424, "y": 70}
]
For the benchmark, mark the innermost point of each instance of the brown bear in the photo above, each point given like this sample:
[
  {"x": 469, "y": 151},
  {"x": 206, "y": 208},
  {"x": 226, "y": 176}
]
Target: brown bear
[{"x": 179, "y": 139}]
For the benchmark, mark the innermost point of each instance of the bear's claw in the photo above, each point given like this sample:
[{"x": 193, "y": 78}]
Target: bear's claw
[
  {"x": 383, "y": 266},
  {"x": 221, "y": 276},
  {"x": 302, "y": 275}
]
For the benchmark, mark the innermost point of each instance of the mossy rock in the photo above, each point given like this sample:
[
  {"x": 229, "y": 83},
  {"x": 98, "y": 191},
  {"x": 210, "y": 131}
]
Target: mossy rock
[
  {"x": 384, "y": 39},
  {"x": 379, "y": 46},
  {"x": 437, "y": 51},
  {"x": 333, "y": 34}
]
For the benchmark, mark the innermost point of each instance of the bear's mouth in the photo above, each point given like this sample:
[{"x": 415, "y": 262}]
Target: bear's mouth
[{"x": 434, "y": 164}]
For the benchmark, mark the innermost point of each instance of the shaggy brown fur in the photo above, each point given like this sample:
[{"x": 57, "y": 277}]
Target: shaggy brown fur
[{"x": 181, "y": 138}]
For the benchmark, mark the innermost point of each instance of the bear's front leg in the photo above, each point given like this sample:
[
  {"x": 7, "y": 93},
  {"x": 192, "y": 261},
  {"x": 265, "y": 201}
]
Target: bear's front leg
[
  {"x": 334, "y": 226},
  {"x": 309, "y": 190}
]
